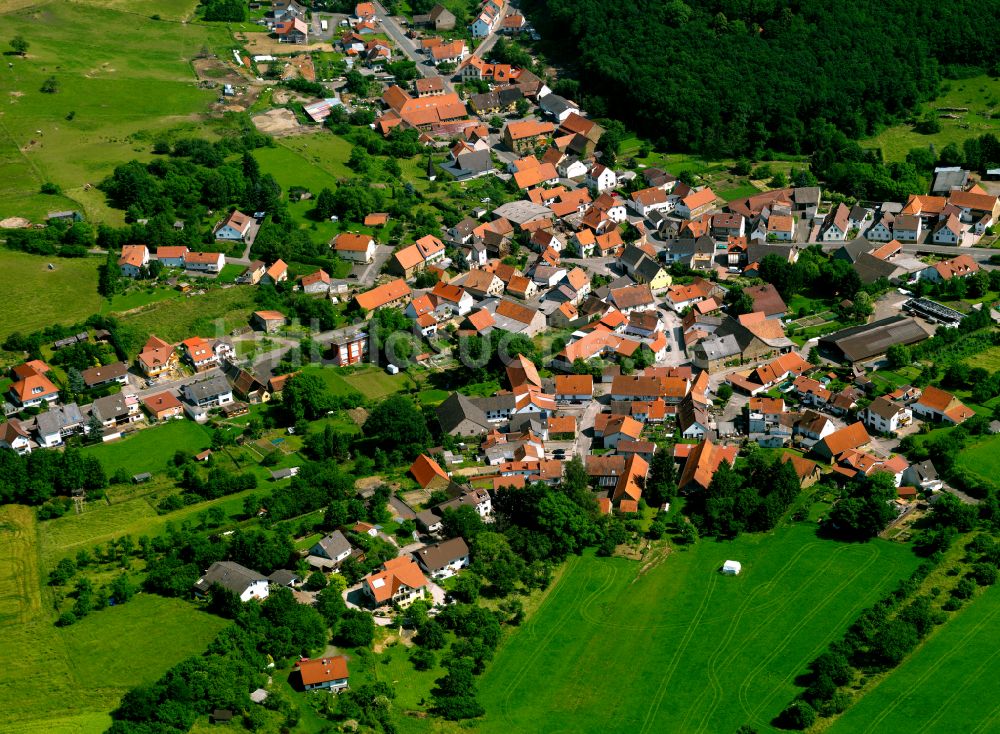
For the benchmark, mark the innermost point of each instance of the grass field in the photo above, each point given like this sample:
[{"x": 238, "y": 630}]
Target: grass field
[
  {"x": 119, "y": 72},
  {"x": 150, "y": 450},
  {"x": 988, "y": 359},
  {"x": 70, "y": 291},
  {"x": 982, "y": 460},
  {"x": 682, "y": 648},
  {"x": 981, "y": 95},
  {"x": 122, "y": 647},
  {"x": 67, "y": 680},
  {"x": 948, "y": 685},
  {"x": 211, "y": 314}
]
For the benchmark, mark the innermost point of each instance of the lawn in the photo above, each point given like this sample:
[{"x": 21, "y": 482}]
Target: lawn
[
  {"x": 134, "y": 643},
  {"x": 682, "y": 648},
  {"x": 150, "y": 449},
  {"x": 981, "y": 95},
  {"x": 376, "y": 384},
  {"x": 230, "y": 273},
  {"x": 122, "y": 77},
  {"x": 211, "y": 314},
  {"x": 137, "y": 298},
  {"x": 37, "y": 297},
  {"x": 68, "y": 680},
  {"x": 737, "y": 192},
  {"x": 982, "y": 460},
  {"x": 947, "y": 685}
]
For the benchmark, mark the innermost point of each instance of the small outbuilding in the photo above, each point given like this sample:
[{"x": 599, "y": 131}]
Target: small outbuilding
[{"x": 732, "y": 568}]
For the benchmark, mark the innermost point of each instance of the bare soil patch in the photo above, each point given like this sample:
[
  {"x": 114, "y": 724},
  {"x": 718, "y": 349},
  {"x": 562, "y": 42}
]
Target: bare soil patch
[
  {"x": 278, "y": 122},
  {"x": 14, "y": 223}
]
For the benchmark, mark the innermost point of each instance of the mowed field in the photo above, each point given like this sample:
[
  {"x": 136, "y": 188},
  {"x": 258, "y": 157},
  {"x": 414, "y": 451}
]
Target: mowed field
[
  {"x": 683, "y": 648},
  {"x": 980, "y": 95},
  {"x": 67, "y": 680},
  {"x": 151, "y": 449},
  {"x": 37, "y": 297},
  {"x": 122, "y": 75},
  {"x": 948, "y": 685}
]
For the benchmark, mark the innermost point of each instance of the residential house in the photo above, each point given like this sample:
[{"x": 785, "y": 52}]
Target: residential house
[
  {"x": 253, "y": 273},
  {"x": 358, "y": 248},
  {"x": 885, "y": 416},
  {"x": 574, "y": 388},
  {"x": 205, "y": 262},
  {"x": 249, "y": 387},
  {"x": 349, "y": 348},
  {"x": 56, "y": 424},
  {"x": 237, "y": 227},
  {"x": 13, "y": 436},
  {"x": 645, "y": 201},
  {"x": 907, "y": 228},
  {"x": 245, "y": 583},
  {"x": 961, "y": 266},
  {"x": 199, "y": 353},
  {"x": 947, "y": 231},
  {"x": 526, "y": 135},
  {"x": 31, "y": 388},
  {"x": 388, "y": 294},
  {"x": 157, "y": 357},
  {"x": 291, "y": 31},
  {"x": 807, "y": 471},
  {"x": 483, "y": 284},
  {"x": 117, "y": 409},
  {"x": 399, "y": 582},
  {"x": 601, "y": 178},
  {"x": 852, "y": 437},
  {"x": 133, "y": 260},
  {"x": 334, "y": 547},
  {"x": 837, "y": 225},
  {"x": 429, "y": 474},
  {"x": 277, "y": 273},
  {"x": 116, "y": 372},
  {"x": 449, "y": 53},
  {"x": 444, "y": 559},
  {"x": 517, "y": 318},
  {"x": 324, "y": 673},
  {"x": 171, "y": 257},
  {"x": 212, "y": 392},
  {"x": 696, "y": 203},
  {"x": 316, "y": 282},
  {"x": 701, "y": 463},
  {"x": 163, "y": 406}
]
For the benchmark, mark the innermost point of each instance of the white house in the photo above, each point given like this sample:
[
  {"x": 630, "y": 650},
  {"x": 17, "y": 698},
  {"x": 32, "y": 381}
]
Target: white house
[
  {"x": 445, "y": 559},
  {"x": 885, "y": 416},
  {"x": 245, "y": 583},
  {"x": 907, "y": 227},
  {"x": 214, "y": 391},
  {"x": 334, "y": 547},
  {"x": 947, "y": 231},
  {"x": 601, "y": 177},
  {"x": 237, "y": 227},
  {"x": 354, "y": 247},
  {"x": 206, "y": 262},
  {"x": 571, "y": 167},
  {"x": 646, "y": 201}
]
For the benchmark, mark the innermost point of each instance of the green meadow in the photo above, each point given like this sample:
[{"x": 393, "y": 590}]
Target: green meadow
[
  {"x": 121, "y": 77},
  {"x": 681, "y": 648}
]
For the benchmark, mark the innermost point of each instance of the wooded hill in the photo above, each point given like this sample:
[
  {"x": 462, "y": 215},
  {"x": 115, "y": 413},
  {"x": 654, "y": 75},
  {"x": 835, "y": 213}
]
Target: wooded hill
[{"x": 735, "y": 77}]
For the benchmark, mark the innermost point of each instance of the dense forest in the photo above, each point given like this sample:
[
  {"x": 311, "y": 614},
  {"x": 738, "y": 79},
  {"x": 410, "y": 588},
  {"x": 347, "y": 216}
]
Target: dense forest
[{"x": 736, "y": 77}]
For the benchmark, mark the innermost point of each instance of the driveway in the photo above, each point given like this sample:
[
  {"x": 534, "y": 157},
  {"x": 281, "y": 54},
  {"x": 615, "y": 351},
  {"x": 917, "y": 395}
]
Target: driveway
[
  {"x": 366, "y": 274},
  {"x": 392, "y": 28},
  {"x": 586, "y": 423},
  {"x": 176, "y": 385}
]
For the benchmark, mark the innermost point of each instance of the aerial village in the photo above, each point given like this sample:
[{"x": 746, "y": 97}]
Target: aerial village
[{"x": 656, "y": 307}]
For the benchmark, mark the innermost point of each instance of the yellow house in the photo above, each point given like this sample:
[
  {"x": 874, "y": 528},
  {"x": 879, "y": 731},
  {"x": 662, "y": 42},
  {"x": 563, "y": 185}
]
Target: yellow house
[{"x": 655, "y": 276}]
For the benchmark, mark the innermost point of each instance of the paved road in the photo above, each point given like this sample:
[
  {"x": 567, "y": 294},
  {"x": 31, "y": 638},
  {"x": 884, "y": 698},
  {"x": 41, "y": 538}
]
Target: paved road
[
  {"x": 171, "y": 385},
  {"x": 395, "y": 32}
]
